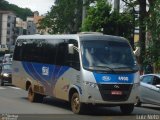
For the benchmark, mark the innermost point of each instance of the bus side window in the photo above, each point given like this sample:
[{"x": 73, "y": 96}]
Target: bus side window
[
  {"x": 76, "y": 61},
  {"x": 37, "y": 51},
  {"x": 18, "y": 51},
  {"x": 49, "y": 51},
  {"x": 73, "y": 59},
  {"x": 61, "y": 54},
  {"x": 28, "y": 51}
]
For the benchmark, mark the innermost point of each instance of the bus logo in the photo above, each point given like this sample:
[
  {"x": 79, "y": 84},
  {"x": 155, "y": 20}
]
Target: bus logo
[
  {"x": 106, "y": 78},
  {"x": 121, "y": 78},
  {"x": 45, "y": 70},
  {"x": 116, "y": 86}
]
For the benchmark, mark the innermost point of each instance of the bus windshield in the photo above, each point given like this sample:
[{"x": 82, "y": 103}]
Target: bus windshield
[{"x": 107, "y": 55}]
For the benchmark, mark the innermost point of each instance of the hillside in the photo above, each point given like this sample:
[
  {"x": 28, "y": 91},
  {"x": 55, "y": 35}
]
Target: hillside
[{"x": 20, "y": 12}]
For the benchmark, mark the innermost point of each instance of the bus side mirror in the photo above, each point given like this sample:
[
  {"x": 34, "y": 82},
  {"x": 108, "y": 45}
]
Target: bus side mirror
[
  {"x": 137, "y": 51},
  {"x": 70, "y": 48}
]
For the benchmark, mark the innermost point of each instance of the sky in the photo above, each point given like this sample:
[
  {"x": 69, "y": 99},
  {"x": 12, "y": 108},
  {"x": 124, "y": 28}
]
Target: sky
[{"x": 42, "y": 6}]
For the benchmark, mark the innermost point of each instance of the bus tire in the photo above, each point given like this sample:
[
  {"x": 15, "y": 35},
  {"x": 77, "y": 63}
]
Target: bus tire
[
  {"x": 39, "y": 98},
  {"x": 76, "y": 106},
  {"x": 34, "y": 97},
  {"x": 127, "y": 108},
  {"x": 1, "y": 82},
  {"x": 31, "y": 94}
]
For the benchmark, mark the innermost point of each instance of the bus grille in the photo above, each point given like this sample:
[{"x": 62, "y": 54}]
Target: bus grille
[{"x": 106, "y": 89}]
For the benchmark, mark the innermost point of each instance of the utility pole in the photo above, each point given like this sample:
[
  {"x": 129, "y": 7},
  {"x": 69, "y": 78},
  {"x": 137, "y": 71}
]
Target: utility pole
[
  {"x": 116, "y": 8},
  {"x": 142, "y": 29},
  {"x": 116, "y": 5},
  {"x": 83, "y": 11}
]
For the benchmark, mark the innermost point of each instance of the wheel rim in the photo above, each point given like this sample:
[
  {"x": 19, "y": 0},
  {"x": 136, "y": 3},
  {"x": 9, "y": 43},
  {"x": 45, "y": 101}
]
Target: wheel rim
[{"x": 75, "y": 103}]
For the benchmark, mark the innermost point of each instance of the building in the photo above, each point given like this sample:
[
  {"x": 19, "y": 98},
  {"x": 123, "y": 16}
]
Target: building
[
  {"x": 31, "y": 26},
  {"x": 7, "y": 29},
  {"x": 21, "y": 27},
  {"x": 11, "y": 27},
  {"x": 36, "y": 19},
  {"x": 33, "y": 23}
]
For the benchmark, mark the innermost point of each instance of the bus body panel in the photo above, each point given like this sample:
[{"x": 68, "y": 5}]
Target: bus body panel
[
  {"x": 57, "y": 80},
  {"x": 54, "y": 79},
  {"x": 91, "y": 91},
  {"x": 18, "y": 75},
  {"x": 70, "y": 78},
  {"x": 66, "y": 81}
]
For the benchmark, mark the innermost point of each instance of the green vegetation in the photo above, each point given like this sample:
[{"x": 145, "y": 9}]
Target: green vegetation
[
  {"x": 20, "y": 12},
  {"x": 153, "y": 29},
  {"x": 64, "y": 17},
  {"x": 148, "y": 23},
  {"x": 101, "y": 18}
]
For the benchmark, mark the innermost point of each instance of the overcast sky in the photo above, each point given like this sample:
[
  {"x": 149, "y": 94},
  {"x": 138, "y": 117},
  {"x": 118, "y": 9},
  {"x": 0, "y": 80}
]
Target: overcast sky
[{"x": 42, "y": 6}]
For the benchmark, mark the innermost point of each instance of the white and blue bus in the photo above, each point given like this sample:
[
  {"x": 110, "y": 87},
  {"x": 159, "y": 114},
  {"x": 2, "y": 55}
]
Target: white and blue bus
[{"x": 83, "y": 69}]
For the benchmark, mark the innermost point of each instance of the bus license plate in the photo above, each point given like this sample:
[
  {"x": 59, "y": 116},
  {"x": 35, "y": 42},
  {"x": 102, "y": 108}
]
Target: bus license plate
[{"x": 115, "y": 92}]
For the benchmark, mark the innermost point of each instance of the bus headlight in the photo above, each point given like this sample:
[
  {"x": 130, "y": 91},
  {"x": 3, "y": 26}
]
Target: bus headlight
[
  {"x": 5, "y": 74},
  {"x": 90, "y": 84}
]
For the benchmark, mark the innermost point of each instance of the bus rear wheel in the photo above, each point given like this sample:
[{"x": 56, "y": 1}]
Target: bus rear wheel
[
  {"x": 127, "y": 108},
  {"x": 76, "y": 106},
  {"x": 1, "y": 82},
  {"x": 34, "y": 97}
]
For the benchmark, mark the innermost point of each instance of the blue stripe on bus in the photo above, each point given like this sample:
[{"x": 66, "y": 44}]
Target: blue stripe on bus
[
  {"x": 53, "y": 73},
  {"x": 114, "y": 78}
]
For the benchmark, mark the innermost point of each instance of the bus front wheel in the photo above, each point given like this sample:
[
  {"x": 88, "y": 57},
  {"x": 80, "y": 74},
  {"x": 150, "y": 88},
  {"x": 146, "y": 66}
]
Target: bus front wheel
[
  {"x": 76, "y": 106},
  {"x": 127, "y": 108}
]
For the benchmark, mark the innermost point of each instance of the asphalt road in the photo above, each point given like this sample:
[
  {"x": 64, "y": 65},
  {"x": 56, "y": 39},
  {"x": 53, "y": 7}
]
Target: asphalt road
[{"x": 15, "y": 106}]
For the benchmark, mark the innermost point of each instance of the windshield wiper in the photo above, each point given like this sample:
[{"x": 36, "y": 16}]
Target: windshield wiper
[
  {"x": 127, "y": 67},
  {"x": 107, "y": 68}
]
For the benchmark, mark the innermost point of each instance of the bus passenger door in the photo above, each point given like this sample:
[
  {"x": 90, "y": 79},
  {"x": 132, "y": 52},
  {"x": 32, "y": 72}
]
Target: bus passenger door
[
  {"x": 61, "y": 70},
  {"x": 68, "y": 66}
]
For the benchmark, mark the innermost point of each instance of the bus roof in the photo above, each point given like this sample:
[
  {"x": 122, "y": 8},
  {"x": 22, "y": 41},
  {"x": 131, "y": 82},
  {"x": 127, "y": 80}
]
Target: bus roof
[{"x": 74, "y": 36}]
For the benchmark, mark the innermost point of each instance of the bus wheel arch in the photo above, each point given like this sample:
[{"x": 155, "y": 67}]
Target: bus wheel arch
[
  {"x": 76, "y": 106},
  {"x": 28, "y": 84}
]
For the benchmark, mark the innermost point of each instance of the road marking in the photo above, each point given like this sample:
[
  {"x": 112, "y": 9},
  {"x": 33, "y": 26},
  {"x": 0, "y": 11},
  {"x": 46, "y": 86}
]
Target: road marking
[
  {"x": 15, "y": 88},
  {"x": 2, "y": 88}
]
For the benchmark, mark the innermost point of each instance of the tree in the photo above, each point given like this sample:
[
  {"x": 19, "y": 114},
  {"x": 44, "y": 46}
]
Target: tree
[
  {"x": 149, "y": 23},
  {"x": 100, "y": 18},
  {"x": 142, "y": 31},
  {"x": 20, "y": 12},
  {"x": 141, "y": 23},
  {"x": 64, "y": 17},
  {"x": 153, "y": 30},
  {"x": 95, "y": 16}
]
